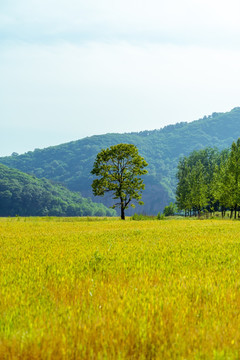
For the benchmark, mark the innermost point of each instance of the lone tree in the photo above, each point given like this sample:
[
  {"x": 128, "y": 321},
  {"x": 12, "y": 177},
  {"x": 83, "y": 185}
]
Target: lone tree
[{"x": 119, "y": 168}]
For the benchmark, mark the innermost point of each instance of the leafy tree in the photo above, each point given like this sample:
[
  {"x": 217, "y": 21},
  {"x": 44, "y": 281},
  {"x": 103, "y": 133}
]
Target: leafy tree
[
  {"x": 119, "y": 168},
  {"x": 196, "y": 185},
  {"x": 170, "y": 209},
  {"x": 222, "y": 183},
  {"x": 183, "y": 186},
  {"x": 198, "y": 192},
  {"x": 234, "y": 174},
  {"x": 227, "y": 180}
]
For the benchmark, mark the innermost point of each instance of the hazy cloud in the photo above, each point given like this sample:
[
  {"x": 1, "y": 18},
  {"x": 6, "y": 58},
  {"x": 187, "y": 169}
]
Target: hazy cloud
[
  {"x": 75, "y": 68},
  {"x": 214, "y": 23}
]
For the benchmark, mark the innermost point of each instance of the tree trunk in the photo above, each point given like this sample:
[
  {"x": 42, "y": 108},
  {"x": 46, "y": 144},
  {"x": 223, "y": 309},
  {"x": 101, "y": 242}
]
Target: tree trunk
[
  {"x": 235, "y": 212},
  {"x": 122, "y": 211}
]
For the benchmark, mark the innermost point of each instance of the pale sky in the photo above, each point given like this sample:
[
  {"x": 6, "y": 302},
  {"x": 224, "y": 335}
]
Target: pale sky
[{"x": 74, "y": 68}]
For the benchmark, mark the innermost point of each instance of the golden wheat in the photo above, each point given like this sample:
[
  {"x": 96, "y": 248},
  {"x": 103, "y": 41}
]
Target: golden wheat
[{"x": 80, "y": 289}]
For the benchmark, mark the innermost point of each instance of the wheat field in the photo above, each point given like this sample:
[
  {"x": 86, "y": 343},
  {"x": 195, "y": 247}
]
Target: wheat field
[{"x": 108, "y": 289}]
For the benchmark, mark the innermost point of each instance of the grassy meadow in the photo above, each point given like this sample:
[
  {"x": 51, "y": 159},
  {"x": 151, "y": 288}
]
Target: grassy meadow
[{"x": 109, "y": 289}]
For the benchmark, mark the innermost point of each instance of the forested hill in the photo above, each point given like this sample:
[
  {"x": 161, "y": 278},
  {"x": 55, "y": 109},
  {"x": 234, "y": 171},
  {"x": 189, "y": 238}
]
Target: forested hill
[
  {"x": 71, "y": 163},
  {"x": 25, "y": 195}
]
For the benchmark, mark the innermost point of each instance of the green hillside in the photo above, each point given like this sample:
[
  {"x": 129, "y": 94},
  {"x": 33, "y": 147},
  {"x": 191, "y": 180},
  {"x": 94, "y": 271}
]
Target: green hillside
[
  {"x": 71, "y": 163},
  {"x": 25, "y": 195}
]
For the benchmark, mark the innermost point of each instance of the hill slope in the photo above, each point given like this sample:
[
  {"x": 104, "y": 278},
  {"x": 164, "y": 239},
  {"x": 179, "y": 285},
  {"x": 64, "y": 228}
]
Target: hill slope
[
  {"x": 72, "y": 162},
  {"x": 25, "y": 195}
]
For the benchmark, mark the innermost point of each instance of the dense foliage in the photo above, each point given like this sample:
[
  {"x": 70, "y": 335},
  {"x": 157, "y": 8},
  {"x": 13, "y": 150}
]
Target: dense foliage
[
  {"x": 209, "y": 180},
  {"x": 71, "y": 163},
  {"x": 170, "y": 210},
  {"x": 25, "y": 195},
  {"x": 119, "y": 169}
]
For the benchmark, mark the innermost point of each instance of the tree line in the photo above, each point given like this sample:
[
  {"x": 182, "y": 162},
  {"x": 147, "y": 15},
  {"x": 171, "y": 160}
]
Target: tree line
[{"x": 209, "y": 180}]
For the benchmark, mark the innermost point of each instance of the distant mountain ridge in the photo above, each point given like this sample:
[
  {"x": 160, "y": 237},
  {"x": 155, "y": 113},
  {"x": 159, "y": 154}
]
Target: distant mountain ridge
[{"x": 71, "y": 163}]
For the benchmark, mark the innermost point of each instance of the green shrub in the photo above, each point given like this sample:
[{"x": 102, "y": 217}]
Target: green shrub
[
  {"x": 170, "y": 210},
  {"x": 160, "y": 216}
]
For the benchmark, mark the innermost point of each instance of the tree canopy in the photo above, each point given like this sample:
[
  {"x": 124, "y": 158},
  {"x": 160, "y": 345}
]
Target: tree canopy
[{"x": 119, "y": 169}]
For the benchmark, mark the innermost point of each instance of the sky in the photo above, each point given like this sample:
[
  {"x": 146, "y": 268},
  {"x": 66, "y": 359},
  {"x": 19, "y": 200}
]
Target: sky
[{"x": 73, "y": 68}]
